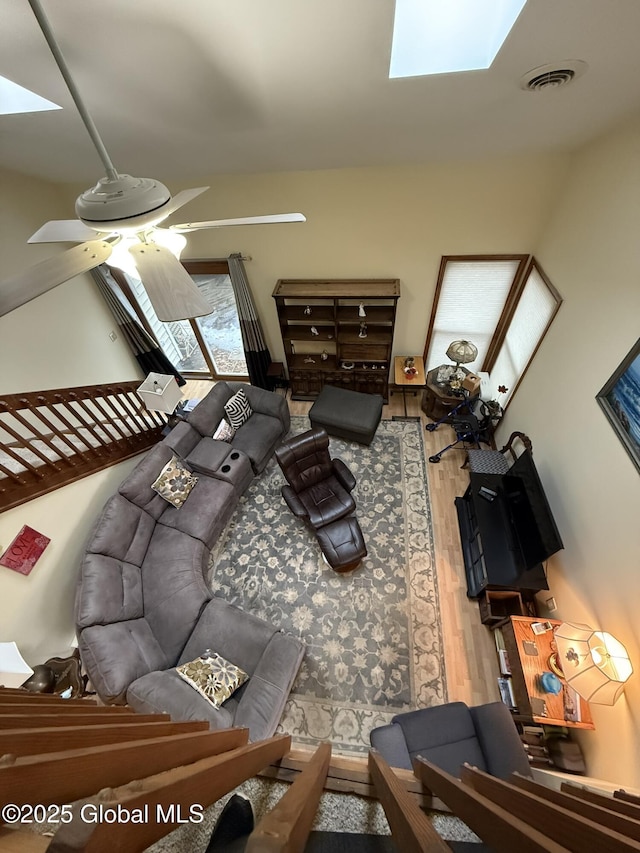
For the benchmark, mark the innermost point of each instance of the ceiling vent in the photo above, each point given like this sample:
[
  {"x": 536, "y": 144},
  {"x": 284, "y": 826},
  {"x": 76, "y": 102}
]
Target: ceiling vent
[{"x": 552, "y": 76}]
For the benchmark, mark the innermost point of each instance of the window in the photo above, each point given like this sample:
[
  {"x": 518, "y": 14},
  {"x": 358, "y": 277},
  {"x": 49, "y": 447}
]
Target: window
[
  {"x": 504, "y": 304},
  {"x": 209, "y": 346}
]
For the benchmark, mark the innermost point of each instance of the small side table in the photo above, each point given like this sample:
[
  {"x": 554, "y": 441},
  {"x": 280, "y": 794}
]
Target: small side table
[
  {"x": 403, "y": 381},
  {"x": 438, "y": 399}
]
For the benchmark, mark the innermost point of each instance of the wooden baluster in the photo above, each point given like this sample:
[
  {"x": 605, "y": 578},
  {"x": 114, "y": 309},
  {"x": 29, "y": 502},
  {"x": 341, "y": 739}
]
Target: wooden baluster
[
  {"x": 287, "y": 826},
  {"x": 91, "y": 423},
  {"x": 411, "y": 828},
  {"x": 491, "y": 820},
  {"x": 580, "y": 834}
]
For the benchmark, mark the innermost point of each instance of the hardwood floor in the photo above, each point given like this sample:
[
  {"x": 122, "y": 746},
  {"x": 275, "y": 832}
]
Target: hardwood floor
[{"x": 470, "y": 656}]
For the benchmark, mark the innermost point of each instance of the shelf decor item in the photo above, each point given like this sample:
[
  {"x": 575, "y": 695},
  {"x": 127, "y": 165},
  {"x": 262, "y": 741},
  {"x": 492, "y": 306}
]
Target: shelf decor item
[{"x": 619, "y": 399}]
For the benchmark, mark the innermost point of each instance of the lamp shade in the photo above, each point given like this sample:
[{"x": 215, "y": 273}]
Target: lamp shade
[
  {"x": 160, "y": 393},
  {"x": 14, "y": 670},
  {"x": 594, "y": 663},
  {"x": 462, "y": 352}
]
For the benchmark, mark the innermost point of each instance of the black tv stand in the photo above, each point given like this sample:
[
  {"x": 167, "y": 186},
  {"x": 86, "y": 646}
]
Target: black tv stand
[{"x": 492, "y": 556}]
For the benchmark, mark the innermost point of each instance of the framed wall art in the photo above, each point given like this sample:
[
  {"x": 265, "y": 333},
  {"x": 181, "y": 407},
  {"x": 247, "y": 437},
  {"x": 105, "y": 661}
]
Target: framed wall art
[{"x": 620, "y": 401}]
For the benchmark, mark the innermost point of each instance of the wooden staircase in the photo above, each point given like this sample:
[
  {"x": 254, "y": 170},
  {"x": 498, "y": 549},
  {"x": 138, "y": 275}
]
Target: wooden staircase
[{"x": 81, "y": 765}]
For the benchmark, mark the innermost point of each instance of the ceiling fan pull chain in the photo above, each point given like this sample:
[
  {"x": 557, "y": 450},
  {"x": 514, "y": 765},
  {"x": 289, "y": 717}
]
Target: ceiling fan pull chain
[{"x": 92, "y": 130}]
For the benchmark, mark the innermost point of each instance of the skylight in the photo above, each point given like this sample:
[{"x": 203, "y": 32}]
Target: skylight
[
  {"x": 440, "y": 36},
  {"x": 16, "y": 99}
]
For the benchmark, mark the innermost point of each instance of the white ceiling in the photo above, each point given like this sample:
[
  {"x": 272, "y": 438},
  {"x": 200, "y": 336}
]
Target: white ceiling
[{"x": 181, "y": 89}]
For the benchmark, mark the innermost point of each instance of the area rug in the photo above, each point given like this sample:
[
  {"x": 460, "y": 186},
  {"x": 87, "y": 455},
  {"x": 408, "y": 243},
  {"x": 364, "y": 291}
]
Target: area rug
[{"x": 373, "y": 635}]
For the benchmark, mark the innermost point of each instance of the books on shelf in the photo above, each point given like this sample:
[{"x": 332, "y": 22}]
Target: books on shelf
[
  {"x": 505, "y": 666},
  {"x": 506, "y": 693}
]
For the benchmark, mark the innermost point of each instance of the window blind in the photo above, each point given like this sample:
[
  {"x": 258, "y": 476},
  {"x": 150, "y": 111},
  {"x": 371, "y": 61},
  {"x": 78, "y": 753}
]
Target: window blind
[
  {"x": 472, "y": 296},
  {"x": 535, "y": 310}
]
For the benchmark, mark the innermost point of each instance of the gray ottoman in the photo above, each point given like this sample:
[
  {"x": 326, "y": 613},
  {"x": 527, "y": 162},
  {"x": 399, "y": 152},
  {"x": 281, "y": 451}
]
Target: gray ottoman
[{"x": 347, "y": 414}]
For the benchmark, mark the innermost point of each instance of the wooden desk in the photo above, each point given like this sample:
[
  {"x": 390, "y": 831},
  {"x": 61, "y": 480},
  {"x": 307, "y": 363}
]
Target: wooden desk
[
  {"x": 418, "y": 380},
  {"x": 526, "y": 669}
]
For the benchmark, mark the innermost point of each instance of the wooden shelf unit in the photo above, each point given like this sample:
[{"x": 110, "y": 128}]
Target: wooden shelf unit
[{"x": 334, "y": 313}]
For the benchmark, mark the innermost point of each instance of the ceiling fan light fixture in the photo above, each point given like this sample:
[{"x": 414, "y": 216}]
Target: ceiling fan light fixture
[{"x": 123, "y": 202}]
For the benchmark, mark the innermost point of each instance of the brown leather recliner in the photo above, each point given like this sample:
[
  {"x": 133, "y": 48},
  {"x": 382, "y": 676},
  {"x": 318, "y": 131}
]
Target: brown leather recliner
[{"x": 320, "y": 487}]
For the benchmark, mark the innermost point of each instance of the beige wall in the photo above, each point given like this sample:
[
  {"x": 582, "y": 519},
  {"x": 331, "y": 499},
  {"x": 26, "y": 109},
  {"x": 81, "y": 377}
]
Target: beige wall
[
  {"x": 590, "y": 251},
  {"x": 59, "y": 340}
]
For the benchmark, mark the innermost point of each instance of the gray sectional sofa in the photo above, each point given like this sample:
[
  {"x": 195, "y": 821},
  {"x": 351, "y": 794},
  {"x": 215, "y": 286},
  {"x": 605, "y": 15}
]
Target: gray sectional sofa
[{"x": 142, "y": 604}]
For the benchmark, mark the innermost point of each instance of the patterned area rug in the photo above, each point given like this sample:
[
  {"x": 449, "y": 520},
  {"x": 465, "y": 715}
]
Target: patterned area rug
[{"x": 373, "y": 635}]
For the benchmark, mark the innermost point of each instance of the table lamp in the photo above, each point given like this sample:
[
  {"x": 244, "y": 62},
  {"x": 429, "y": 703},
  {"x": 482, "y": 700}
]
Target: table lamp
[
  {"x": 160, "y": 393},
  {"x": 462, "y": 352},
  {"x": 594, "y": 663}
]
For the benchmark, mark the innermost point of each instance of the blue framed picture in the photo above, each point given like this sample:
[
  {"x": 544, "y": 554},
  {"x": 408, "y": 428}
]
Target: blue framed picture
[{"x": 620, "y": 401}]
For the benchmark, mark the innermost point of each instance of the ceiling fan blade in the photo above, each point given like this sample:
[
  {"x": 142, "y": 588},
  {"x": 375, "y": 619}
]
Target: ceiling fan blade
[
  {"x": 170, "y": 288},
  {"x": 63, "y": 231},
  {"x": 183, "y": 197},
  {"x": 38, "y": 279},
  {"x": 244, "y": 220}
]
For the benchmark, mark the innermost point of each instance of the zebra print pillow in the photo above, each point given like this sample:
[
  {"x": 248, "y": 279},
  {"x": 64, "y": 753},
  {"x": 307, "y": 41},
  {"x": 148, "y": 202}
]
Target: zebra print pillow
[{"x": 238, "y": 409}]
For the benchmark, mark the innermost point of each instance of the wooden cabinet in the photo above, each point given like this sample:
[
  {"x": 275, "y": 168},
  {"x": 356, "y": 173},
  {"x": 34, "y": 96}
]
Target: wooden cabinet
[{"x": 337, "y": 332}]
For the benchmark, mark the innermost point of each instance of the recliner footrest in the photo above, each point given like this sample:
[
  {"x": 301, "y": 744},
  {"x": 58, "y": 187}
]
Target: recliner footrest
[{"x": 342, "y": 544}]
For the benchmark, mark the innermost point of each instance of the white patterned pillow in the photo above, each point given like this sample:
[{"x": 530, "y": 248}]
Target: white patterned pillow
[
  {"x": 224, "y": 431},
  {"x": 175, "y": 482},
  {"x": 238, "y": 409},
  {"x": 213, "y": 677}
]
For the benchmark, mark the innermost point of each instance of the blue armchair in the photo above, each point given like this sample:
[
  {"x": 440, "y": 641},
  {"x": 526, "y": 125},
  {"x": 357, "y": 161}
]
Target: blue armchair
[{"x": 451, "y": 735}]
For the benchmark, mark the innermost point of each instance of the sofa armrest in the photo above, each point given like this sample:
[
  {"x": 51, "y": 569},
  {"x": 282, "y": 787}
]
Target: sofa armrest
[
  {"x": 182, "y": 439},
  {"x": 267, "y": 690},
  {"x": 499, "y": 740},
  {"x": 344, "y": 475},
  {"x": 294, "y": 503},
  {"x": 390, "y": 743}
]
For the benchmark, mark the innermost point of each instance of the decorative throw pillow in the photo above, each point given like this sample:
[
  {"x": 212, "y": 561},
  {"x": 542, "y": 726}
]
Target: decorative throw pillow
[
  {"x": 213, "y": 677},
  {"x": 238, "y": 409},
  {"x": 175, "y": 482},
  {"x": 224, "y": 431}
]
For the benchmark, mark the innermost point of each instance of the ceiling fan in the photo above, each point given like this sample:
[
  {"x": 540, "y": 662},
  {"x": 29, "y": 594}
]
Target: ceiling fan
[{"x": 119, "y": 219}]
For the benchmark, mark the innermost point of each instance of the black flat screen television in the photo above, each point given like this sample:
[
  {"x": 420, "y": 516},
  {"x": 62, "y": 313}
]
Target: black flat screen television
[{"x": 532, "y": 523}]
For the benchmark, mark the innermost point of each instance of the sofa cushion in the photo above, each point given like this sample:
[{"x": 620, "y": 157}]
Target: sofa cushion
[
  {"x": 165, "y": 692},
  {"x": 214, "y": 677},
  {"x": 182, "y": 439},
  {"x": 207, "y": 414},
  {"x": 173, "y": 587},
  {"x": 117, "y": 654},
  {"x": 258, "y": 438},
  {"x": 208, "y": 455},
  {"x": 175, "y": 482},
  {"x": 137, "y": 486},
  {"x": 224, "y": 431},
  {"x": 444, "y": 734},
  {"x": 238, "y": 409},
  {"x": 209, "y": 507},
  {"x": 122, "y": 531},
  {"x": 109, "y": 590},
  {"x": 233, "y": 633}
]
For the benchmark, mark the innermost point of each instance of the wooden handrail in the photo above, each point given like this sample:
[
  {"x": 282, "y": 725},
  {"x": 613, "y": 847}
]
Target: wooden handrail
[{"x": 49, "y": 439}]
